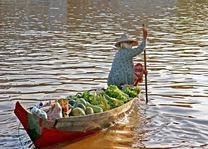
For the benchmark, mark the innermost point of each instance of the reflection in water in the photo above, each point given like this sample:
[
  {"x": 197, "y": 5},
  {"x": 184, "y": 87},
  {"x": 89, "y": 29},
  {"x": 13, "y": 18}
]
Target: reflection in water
[{"x": 50, "y": 49}]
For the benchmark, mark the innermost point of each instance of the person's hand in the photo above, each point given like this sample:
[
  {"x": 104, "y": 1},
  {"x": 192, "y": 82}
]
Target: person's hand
[
  {"x": 145, "y": 72},
  {"x": 144, "y": 32}
]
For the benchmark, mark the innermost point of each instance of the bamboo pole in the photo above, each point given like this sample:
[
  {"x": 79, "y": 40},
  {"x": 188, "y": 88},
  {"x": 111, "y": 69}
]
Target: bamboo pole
[{"x": 145, "y": 68}]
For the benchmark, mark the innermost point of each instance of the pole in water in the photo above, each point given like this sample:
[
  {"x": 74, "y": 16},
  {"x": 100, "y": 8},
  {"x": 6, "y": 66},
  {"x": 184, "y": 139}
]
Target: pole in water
[{"x": 145, "y": 68}]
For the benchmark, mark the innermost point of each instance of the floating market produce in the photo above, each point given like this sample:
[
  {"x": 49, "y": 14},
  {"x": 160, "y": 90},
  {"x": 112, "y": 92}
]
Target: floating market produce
[{"x": 76, "y": 116}]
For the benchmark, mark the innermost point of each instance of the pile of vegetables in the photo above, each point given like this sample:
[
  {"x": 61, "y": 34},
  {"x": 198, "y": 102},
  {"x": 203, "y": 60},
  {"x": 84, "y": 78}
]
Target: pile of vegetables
[{"x": 90, "y": 102}]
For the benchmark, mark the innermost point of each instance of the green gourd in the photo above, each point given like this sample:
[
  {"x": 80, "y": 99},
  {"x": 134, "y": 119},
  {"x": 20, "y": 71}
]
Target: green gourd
[
  {"x": 89, "y": 110},
  {"x": 78, "y": 112},
  {"x": 96, "y": 109}
]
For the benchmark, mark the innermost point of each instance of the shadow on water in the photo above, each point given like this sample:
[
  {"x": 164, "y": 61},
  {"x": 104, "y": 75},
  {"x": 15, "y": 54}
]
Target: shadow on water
[{"x": 50, "y": 49}]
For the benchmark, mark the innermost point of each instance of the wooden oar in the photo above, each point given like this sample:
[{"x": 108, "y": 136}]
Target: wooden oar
[{"x": 145, "y": 68}]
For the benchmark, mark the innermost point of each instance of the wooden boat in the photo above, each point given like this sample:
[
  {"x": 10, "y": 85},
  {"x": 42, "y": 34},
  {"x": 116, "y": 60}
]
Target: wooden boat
[{"x": 45, "y": 133}]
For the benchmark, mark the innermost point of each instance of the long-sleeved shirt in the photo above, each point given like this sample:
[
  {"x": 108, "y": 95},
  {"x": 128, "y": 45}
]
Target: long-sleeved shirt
[{"x": 122, "y": 70}]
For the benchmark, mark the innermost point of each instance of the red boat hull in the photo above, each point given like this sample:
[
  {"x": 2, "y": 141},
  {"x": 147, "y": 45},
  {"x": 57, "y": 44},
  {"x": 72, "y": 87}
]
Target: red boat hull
[
  {"x": 52, "y": 137},
  {"x": 48, "y": 137}
]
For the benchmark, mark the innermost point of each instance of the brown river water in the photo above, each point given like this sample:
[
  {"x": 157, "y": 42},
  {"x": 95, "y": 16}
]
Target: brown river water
[{"x": 50, "y": 49}]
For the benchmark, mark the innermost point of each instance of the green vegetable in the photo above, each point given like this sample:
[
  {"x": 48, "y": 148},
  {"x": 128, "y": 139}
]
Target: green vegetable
[
  {"x": 81, "y": 100},
  {"x": 94, "y": 99},
  {"x": 78, "y": 95},
  {"x": 132, "y": 92},
  {"x": 90, "y": 102},
  {"x": 80, "y": 105},
  {"x": 88, "y": 96},
  {"x": 71, "y": 106},
  {"x": 78, "y": 112},
  {"x": 89, "y": 110},
  {"x": 95, "y": 108},
  {"x": 72, "y": 102},
  {"x": 101, "y": 101},
  {"x": 115, "y": 92},
  {"x": 113, "y": 102}
]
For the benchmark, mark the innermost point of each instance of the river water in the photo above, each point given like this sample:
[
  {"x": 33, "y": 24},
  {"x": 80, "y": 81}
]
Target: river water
[{"x": 50, "y": 49}]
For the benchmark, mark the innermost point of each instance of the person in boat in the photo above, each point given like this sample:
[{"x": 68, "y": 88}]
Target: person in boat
[{"x": 122, "y": 69}]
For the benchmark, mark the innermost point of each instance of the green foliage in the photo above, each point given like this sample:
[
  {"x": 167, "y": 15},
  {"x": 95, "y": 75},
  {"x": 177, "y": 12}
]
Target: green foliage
[
  {"x": 88, "y": 96},
  {"x": 114, "y": 92},
  {"x": 99, "y": 101},
  {"x": 102, "y": 102},
  {"x": 113, "y": 102},
  {"x": 132, "y": 92}
]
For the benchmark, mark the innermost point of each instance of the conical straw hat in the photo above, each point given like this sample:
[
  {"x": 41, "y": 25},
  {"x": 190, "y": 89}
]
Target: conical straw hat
[{"x": 125, "y": 38}]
